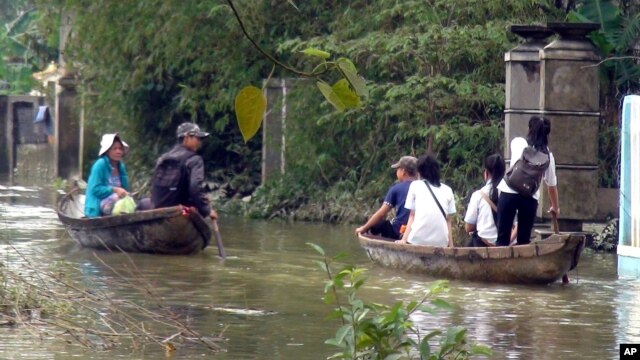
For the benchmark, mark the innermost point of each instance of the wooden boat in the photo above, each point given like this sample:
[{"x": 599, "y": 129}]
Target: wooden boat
[
  {"x": 169, "y": 230},
  {"x": 540, "y": 262}
]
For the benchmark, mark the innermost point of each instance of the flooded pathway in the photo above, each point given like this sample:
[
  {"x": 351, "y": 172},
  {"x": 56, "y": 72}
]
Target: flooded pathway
[{"x": 266, "y": 298}]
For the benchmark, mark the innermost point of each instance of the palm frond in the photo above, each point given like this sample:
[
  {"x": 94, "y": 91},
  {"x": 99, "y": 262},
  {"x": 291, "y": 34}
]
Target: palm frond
[
  {"x": 628, "y": 34},
  {"x": 627, "y": 74},
  {"x": 22, "y": 23},
  {"x": 604, "y": 12}
]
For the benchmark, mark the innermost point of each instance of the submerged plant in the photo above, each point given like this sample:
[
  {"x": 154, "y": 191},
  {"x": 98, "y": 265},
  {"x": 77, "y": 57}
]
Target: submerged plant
[
  {"x": 50, "y": 300},
  {"x": 378, "y": 331},
  {"x": 607, "y": 239}
]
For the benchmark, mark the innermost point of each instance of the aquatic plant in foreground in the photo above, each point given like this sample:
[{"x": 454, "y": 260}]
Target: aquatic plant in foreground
[
  {"x": 382, "y": 332},
  {"x": 50, "y": 302}
]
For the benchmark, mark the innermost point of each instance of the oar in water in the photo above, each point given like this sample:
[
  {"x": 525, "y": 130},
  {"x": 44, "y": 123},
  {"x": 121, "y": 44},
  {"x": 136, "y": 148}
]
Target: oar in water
[
  {"x": 216, "y": 233},
  {"x": 556, "y": 230}
]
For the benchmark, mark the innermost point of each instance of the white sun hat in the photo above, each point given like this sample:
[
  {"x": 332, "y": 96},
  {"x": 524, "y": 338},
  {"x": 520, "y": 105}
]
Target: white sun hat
[{"x": 107, "y": 142}]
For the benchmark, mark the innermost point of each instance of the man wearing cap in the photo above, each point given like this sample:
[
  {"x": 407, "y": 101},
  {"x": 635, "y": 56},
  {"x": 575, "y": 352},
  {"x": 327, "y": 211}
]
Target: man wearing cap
[
  {"x": 378, "y": 225},
  {"x": 178, "y": 178}
]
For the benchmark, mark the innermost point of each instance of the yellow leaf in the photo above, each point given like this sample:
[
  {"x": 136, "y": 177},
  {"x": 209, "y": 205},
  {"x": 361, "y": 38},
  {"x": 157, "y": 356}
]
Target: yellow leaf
[
  {"x": 346, "y": 95},
  {"x": 250, "y": 105},
  {"x": 330, "y": 95}
]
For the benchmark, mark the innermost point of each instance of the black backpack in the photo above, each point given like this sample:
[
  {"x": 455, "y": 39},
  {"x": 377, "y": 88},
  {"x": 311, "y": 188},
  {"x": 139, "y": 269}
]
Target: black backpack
[
  {"x": 170, "y": 183},
  {"x": 526, "y": 174}
]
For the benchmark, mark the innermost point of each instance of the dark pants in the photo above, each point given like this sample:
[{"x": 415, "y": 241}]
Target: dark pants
[
  {"x": 385, "y": 229},
  {"x": 508, "y": 205}
]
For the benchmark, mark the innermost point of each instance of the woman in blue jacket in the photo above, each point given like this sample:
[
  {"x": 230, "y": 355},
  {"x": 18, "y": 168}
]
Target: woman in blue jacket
[{"x": 108, "y": 180}]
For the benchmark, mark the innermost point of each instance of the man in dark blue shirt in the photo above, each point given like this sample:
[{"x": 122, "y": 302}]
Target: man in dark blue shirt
[{"x": 406, "y": 171}]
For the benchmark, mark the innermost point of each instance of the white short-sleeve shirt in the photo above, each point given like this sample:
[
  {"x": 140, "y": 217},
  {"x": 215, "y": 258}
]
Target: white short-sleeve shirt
[
  {"x": 429, "y": 225},
  {"x": 517, "y": 148},
  {"x": 479, "y": 213}
]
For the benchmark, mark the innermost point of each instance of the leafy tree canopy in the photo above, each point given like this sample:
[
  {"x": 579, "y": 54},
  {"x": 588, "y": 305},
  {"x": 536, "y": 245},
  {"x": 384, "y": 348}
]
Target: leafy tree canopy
[{"x": 434, "y": 73}]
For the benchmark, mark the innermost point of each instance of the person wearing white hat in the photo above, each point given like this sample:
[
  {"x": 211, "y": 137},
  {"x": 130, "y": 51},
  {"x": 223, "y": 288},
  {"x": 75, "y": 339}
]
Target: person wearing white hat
[{"x": 108, "y": 179}]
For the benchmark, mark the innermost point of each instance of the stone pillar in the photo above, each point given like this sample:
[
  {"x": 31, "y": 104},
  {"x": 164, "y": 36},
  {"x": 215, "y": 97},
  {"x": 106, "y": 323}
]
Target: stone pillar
[
  {"x": 273, "y": 126},
  {"x": 5, "y": 131},
  {"x": 570, "y": 99},
  {"x": 522, "y": 83},
  {"x": 68, "y": 119},
  {"x": 67, "y": 130}
]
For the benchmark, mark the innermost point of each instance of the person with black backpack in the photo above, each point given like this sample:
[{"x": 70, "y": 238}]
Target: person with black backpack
[
  {"x": 531, "y": 161},
  {"x": 178, "y": 178}
]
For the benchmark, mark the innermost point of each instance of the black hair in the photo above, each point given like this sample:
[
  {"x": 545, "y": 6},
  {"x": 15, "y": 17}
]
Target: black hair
[
  {"x": 538, "y": 136},
  {"x": 429, "y": 169},
  {"x": 494, "y": 164}
]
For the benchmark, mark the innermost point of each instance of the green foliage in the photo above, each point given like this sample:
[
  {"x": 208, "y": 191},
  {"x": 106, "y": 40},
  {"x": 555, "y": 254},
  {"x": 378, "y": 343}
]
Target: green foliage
[
  {"x": 620, "y": 71},
  {"x": 23, "y": 48},
  {"x": 607, "y": 239},
  {"x": 378, "y": 331},
  {"x": 435, "y": 80},
  {"x": 147, "y": 68},
  {"x": 616, "y": 39}
]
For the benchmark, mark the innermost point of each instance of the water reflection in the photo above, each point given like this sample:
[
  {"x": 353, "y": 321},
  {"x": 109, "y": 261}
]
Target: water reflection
[{"x": 266, "y": 297}]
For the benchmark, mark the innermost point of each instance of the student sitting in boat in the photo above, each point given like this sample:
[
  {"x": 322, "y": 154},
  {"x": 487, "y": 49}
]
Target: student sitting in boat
[
  {"x": 482, "y": 214},
  {"x": 108, "y": 179},
  {"x": 378, "y": 225},
  {"x": 178, "y": 178},
  {"x": 431, "y": 204}
]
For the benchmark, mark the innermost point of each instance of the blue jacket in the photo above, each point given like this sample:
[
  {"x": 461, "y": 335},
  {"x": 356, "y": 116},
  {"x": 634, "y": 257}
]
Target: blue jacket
[{"x": 98, "y": 187}]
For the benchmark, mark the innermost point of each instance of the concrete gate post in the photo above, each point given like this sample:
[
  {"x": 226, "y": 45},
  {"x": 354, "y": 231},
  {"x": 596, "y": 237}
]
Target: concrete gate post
[
  {"x": 570, "y": 99},
  {"x": 5, "y": 153},
  {"x": 67, "y": 130},
  {"x": 273, "y": 127},
  {"x": 522, "y": 82}
]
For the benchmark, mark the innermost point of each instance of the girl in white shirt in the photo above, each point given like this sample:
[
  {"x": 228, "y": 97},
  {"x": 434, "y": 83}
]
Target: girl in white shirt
[
  {"x": 431, "y": 204},
  {"x": 481, "y": 216},
  {"x": 510, "y": 201}
]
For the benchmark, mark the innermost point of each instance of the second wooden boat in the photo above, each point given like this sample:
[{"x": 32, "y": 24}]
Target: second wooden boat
[{"x": 539, "y": 262}]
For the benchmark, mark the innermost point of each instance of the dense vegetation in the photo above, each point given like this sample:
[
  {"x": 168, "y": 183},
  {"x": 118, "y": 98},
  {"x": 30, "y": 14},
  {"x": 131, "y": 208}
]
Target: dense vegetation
[
  {"x": 23, "y": 49},
  {"x": 435, "y": 74}
]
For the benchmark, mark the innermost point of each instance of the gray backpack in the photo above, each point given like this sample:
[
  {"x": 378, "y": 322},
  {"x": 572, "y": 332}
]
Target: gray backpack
[{"x": 526, "y": 174}]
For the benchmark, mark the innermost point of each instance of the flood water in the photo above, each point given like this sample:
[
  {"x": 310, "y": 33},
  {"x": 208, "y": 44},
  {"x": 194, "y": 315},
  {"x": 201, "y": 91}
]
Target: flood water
[{"x": 266, "y": 297}]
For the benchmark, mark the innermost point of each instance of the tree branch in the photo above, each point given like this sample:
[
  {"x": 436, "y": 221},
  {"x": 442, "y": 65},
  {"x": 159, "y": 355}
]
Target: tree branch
[
  {"x": 613, "y": 58},
  {"x": 263, "y": 52}
]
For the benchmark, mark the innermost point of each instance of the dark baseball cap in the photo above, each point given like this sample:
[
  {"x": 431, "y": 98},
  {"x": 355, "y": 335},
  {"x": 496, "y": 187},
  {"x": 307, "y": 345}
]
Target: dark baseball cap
[{"x": 192, "y": 129}]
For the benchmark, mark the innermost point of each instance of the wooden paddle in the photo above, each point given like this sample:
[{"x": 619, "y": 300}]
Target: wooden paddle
[
  {"x": 216, "y": 234},
  {"x": 556, "y": 230}
]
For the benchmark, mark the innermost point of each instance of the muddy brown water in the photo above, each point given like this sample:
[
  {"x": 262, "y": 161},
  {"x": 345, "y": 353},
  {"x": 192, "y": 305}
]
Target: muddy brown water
[{"x": 267, "y": 295}]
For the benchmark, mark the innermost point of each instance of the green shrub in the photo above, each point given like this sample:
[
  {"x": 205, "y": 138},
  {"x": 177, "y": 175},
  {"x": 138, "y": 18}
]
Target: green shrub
[{"x": 378, "y": 331}]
